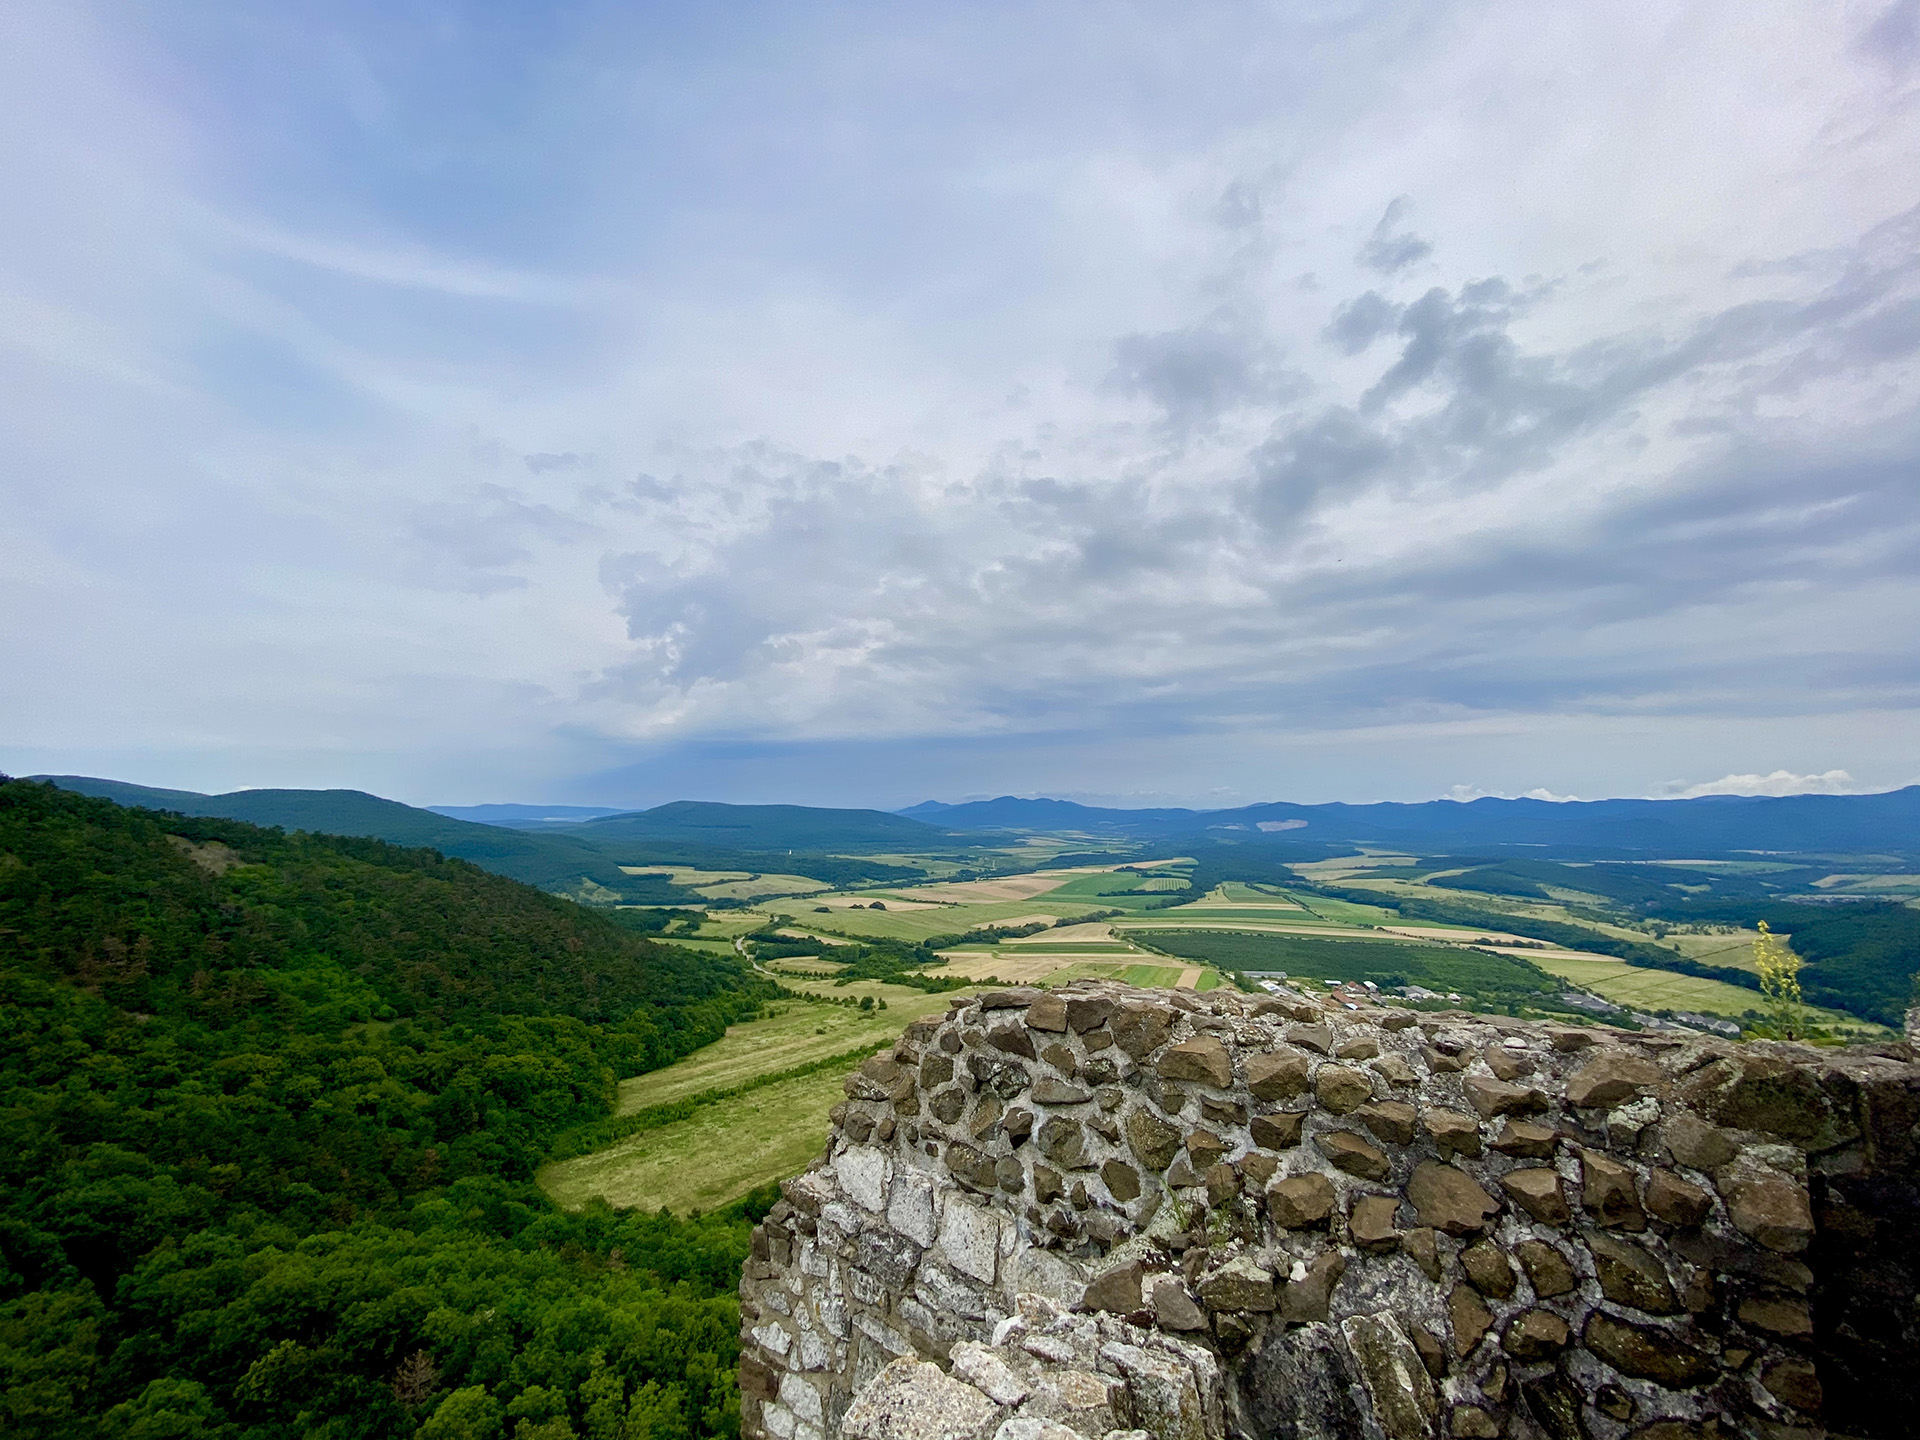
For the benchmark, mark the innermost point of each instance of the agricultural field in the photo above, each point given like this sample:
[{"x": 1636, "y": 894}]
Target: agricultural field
[
  {"x": 797, "y": 1033},
  {"x": 728, "y": 1146},
  {"x": 731, "y": 884},
  {"x": 804, "y": 967},
  {"x": 1735, "y": 951},
  {"x": 718, "y": 1154},
  {"x": 1095, "y": 935},
  {"x": 1881, "y": 887},
  {"x": 1492, "y": 979},
  {"x": 1233, "y": 894},
  {"x": 1643, "y": 989},
  {"x": 916, "y": 924},
  {"x": 1135, "y": 968},
  {"x": 715, "y": 933},
  {"x": 1276, "y": 912}
]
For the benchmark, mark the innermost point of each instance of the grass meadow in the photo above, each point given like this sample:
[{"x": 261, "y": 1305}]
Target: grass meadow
[
  {"x": 1626, "y": 984},
  {"x": 720, "y": 1153},
  {"x": 801, "y": 1032}
]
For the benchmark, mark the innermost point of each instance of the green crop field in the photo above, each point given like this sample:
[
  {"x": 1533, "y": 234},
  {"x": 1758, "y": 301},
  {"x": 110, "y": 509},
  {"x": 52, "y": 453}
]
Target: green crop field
[
  {"x": 763, "y": 885},
  {"x": 1313, "y": 912},
  {"x": 1062, "y": 947},
  {"x": 1734, "y": 951},
  {"x": 706, "y": 946},
  {"x": 943, "y": 920},
  {"x": 1387, "y": 963},
  {"x": 804, "y": 965},
  {"x": 1274, "y": 922}
]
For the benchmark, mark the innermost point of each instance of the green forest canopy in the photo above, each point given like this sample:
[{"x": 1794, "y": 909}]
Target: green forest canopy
[{"x": 271, "y": 1108}]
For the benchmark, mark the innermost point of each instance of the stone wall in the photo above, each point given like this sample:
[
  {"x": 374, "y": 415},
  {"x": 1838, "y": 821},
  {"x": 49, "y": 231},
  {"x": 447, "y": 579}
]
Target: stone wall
[{"x": 1051, "y": 1215}]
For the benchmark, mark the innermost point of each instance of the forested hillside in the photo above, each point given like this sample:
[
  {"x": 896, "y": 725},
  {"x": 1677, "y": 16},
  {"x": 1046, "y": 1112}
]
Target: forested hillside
[
  {"x": 580, "y": 861},
  {"x": 557, "y": 863},
  {"x": 269, "y": 1109}
]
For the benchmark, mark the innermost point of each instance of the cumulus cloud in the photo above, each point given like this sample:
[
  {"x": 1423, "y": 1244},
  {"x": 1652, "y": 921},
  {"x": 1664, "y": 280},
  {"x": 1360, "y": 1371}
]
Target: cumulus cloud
[
  {"x": 1465, "y": 793},
  {"x": 1780, "y": 782}
]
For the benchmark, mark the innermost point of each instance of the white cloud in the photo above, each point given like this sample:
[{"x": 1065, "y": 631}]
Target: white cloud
[
  {"x": 1184, "y": 388},
  {"x": 1539, "y": 792},
  {"x": 1780, "y": 782}
]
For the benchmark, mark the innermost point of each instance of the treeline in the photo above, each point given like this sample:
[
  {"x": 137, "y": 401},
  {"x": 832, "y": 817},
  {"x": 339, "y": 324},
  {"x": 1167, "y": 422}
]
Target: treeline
[
  {"x": 898, "y": 962},
  {"x": 270, "y": 1107},
  {"x": 839, "y": 871},
  {"x": 994, "y": 934}
]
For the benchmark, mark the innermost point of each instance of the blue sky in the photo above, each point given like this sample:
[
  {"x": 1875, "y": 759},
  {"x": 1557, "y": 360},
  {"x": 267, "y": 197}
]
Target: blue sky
[{"x": 863, "y": 403}]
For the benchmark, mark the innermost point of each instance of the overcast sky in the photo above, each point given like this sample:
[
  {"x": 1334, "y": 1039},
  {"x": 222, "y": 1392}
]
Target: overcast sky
[{"x": 864, "y": 403}]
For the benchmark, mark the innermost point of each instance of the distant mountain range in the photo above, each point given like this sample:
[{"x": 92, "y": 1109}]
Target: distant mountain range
[
  {"x": 579, "y": 850},
  {"x": 1710, "y": 825},
  {"x": 769, "y": 827}
]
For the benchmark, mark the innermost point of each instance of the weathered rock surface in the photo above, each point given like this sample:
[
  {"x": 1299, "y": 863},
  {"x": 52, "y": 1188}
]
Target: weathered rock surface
[
  {"x": 1110, "y": 1214},
  {"x": 913, "y": 1400},
  {"x": 1203, "y": 1059}
]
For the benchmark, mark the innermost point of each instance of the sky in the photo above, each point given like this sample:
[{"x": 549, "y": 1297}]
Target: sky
[{"x": 860, "y": 403}]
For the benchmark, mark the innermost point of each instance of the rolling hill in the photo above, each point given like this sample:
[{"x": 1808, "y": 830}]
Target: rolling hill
[
  {"x": 290, "y": 1091},
  {"x": 526, "y": 817},
  {"x": 556, "y": 863},
  {"x": 580, "y": 858},
  {"x": 769, "y": 828},
  {"x": 1715, "y": 824}
]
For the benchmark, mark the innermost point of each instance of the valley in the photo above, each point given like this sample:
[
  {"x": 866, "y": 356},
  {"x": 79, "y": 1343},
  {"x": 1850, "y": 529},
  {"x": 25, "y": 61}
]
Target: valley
[
  {"x": 1139, "y": 923},
  {"x": 600, "y": 1084}
]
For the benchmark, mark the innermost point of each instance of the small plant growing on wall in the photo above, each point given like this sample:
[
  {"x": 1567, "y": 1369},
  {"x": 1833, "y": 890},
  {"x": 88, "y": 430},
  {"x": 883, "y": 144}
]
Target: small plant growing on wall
[{"x": 1779, "y": 970}]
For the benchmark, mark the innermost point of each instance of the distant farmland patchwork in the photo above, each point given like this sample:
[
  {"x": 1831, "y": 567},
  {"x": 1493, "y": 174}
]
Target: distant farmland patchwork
[{"x": 1144, "y": 925}]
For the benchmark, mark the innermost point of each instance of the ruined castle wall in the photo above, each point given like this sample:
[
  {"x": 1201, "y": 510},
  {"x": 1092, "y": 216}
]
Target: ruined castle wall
[{"x": 1060, "y": 1214}]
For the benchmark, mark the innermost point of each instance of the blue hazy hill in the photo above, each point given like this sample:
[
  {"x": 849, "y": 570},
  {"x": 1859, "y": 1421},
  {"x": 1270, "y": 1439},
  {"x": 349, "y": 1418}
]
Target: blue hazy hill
[{"x": 1712, "y": 824}]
